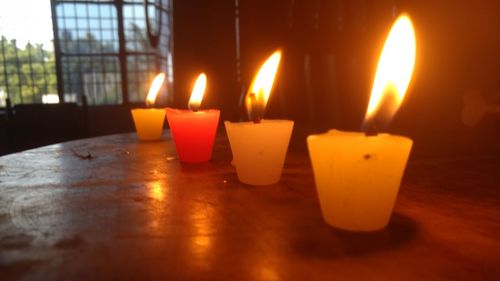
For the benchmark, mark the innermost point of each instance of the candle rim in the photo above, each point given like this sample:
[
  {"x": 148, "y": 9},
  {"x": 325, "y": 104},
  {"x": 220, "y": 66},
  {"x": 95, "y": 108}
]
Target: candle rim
[
  {"x": 184, "y": 111},
  {"x": 146, "y": 108},
  {"x": 334, "y": 133},
  {"x": 263, "y": 121}
]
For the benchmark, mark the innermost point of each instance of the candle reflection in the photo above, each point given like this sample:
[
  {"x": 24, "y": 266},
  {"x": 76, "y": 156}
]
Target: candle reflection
[
  {"x": 201, "y": 244},
  {"x": 157, "y": 190},
  {"x": 202, "y": 241},
  {"x": 267, "y": 273}
]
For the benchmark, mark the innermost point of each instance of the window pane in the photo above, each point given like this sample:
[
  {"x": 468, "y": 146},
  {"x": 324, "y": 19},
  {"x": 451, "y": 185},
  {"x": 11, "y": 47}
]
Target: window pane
[
  {"x": 26, "y": 51},
  {"x": 90, "y": 56}
]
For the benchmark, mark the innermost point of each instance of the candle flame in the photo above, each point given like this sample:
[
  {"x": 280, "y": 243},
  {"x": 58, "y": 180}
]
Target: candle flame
[
  {"x": 154, "y": 89},
  {"x": 198, "y": 91},
  {"x": 394, "y": 70},
  {"x": 260, "y": 89}
]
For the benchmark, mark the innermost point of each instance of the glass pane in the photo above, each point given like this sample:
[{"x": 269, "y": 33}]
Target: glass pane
[
  {"x": 89, "y": 43},
  {"x": 26, "y": 52}
]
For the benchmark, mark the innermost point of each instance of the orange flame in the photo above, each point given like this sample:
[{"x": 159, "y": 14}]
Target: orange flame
[
  {"x": 198, "y": 91},
  {"x": 154, "y": 89},
  {"x": 260, "y": 89},
  {"x": 394, "y": 70}
]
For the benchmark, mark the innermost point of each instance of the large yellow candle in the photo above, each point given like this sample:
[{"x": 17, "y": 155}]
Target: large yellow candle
[
  {"x": 358, "y": 175},
  {"x": 148, "y": 122}
]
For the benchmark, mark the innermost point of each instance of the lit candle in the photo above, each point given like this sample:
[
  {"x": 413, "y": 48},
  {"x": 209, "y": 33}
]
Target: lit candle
[
  {"x": 149, "y": 121},
  {"x": 358, "y": 175},
  {"x": 259, "y": 147},
  {"x": 194, "y": 130}
]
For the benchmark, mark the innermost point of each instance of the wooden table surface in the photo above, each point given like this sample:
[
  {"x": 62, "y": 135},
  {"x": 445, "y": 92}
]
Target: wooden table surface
[{"x": 133, "y": 212}]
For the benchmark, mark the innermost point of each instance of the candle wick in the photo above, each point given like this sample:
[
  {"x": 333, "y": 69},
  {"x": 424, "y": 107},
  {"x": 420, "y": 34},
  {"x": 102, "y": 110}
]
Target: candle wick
[
  {"x": 256, "y": 111},
  {"x": 371, "y": 131},
  {"x": 193, "y": 107}
]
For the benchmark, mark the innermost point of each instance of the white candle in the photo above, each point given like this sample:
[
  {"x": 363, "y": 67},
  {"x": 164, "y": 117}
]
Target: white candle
[
  {"x": 259, "y": 147},
  {"x": 259, "y": 150}
]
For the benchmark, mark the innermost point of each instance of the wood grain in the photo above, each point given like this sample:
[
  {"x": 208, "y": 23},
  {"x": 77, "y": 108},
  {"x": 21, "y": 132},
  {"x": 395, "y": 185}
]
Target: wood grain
[{"x": 133, "y": 212}]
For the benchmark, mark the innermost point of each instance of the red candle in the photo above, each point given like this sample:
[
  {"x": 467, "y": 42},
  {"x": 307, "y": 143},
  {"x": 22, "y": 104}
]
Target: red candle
[
  {"x": 194, "y": 130},
  {"x": 193, "y": 133}
]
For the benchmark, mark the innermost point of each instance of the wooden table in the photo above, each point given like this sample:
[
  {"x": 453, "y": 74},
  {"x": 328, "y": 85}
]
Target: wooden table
[{"x": 133, "y": 212}]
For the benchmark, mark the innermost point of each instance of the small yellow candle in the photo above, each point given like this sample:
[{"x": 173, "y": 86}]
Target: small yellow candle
[
  {"x": 149, "y": 121},
  {"x": 358, "y": 175}
]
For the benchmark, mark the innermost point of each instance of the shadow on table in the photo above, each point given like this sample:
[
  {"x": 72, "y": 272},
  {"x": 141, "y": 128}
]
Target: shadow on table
[{"x": 332, "y": 242}]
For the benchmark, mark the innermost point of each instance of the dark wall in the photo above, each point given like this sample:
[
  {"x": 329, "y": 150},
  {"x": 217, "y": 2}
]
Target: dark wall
[
  {"x": 204, "y": 41},
  {"x": 331, "y": 48},
  {"x": 36, "y": 125}
]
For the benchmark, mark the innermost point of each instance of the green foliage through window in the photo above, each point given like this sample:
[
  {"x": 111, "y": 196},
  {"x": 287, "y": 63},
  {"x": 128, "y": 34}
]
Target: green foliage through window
[{"x": 26, "y": 73}]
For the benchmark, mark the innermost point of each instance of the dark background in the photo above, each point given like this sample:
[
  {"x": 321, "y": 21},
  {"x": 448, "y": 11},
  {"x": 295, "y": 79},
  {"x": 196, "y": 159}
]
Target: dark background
[
  {"x": 330, "y": 50},
  {"x": 330, "y": 53}
]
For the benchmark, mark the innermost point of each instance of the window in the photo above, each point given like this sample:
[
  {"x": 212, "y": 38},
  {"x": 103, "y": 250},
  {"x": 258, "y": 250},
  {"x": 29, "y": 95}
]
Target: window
[
  {"x": 27, "y": 62},
  {"x": 107, "y": 53},
  {"x": 104, "y": 52}
]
